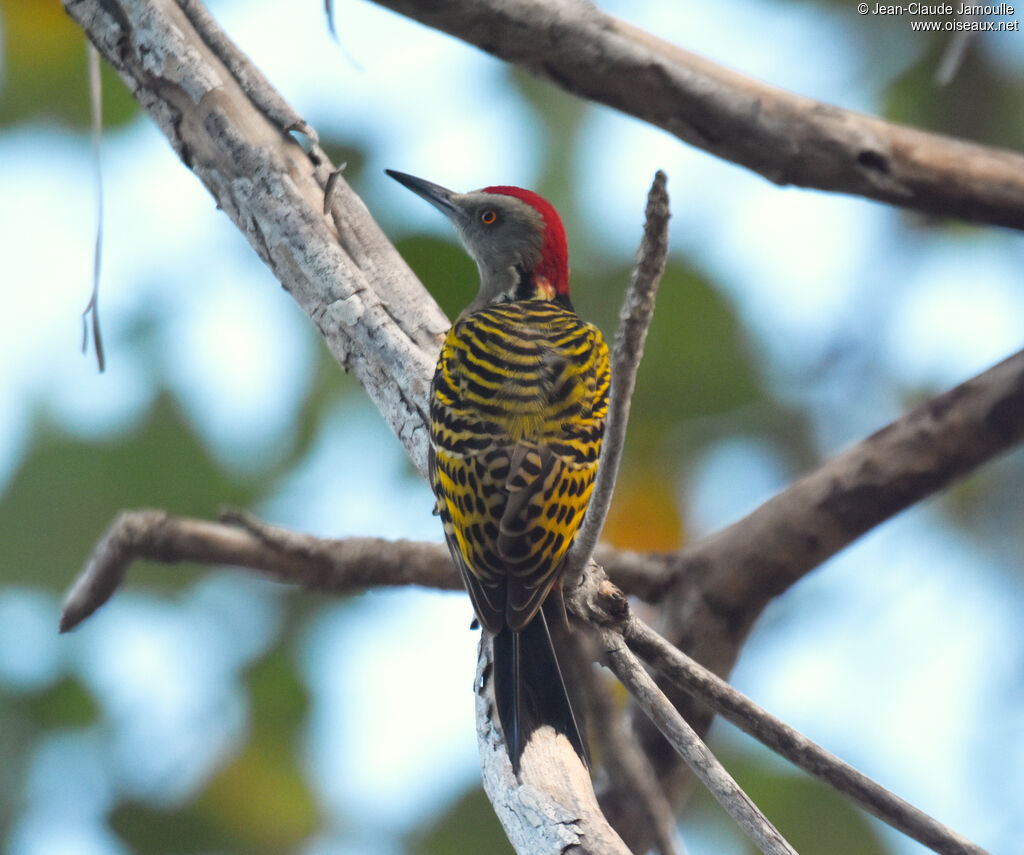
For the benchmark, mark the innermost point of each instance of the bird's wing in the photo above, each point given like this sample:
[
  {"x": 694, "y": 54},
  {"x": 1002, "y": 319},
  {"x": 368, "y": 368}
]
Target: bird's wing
[
  {"x": 547, "y": 497},
  {"x": 456, "y": 481}
]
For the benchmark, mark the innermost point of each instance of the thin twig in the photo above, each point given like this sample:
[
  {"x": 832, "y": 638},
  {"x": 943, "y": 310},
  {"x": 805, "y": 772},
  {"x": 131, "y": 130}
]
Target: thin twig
[
  {"x": 329, "y": 12},
  {"x": 627, "y": 350},
  {"x": 93, "y": 307},
  {"x": 953, "y": 57},
  {"x": 685, "y": 741},
  {"x": 629, "y": 773},
  {"x": 791, "y": 744}
]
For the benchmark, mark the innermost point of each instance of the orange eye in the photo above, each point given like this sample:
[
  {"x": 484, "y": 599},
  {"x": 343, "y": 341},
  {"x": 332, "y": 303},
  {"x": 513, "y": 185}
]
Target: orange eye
[{"x": 488, "y": 217}]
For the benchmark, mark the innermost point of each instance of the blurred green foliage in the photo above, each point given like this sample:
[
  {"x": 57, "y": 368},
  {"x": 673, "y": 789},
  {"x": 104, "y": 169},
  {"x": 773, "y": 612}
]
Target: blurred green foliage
[
  {"x": 444, "y": 268},
  {"x": 65, "y": 704},
  {"x": 45, "y": 73},
  {"x": 697, "y": 361},
  {"x": 469, "y": 825},
  {"x": 26, "y": 717},
  {"x": 68, "y": 490},
  {"x": 980, "y": 99},
  {"x": 259, "y": 802},
  {"x": 954, "y": 108},
  {"x": 812, "y": 817}
]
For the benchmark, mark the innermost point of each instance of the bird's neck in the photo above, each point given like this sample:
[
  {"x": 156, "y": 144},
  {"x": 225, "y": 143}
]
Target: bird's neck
[{"x": 514, "y": 284}]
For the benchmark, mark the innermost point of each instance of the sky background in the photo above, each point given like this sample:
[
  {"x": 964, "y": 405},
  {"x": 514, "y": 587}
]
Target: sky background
[{"x": 902, "y": 655}]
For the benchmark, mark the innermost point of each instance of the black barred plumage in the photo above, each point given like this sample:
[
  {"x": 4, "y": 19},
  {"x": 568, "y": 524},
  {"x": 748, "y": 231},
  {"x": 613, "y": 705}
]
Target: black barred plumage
[{"x": 517, "y": 413}]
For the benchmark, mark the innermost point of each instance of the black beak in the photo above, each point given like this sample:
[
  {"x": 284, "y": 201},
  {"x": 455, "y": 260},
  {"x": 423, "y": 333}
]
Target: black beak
[{"x": 435, "y": 194}]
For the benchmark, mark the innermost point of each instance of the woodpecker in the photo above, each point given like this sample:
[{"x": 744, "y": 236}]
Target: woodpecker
[{"x": 517, "y": 414}]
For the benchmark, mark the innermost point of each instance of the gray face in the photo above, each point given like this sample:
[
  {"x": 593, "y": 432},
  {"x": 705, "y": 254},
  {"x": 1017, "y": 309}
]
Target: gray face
[{"x": 503, "y": 234}]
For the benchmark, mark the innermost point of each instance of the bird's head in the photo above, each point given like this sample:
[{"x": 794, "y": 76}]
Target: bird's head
[{"x": 515, "y": 236}]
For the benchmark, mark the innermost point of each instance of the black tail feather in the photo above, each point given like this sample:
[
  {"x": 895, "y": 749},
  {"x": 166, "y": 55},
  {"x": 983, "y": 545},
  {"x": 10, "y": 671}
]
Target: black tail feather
[{"x": 530, "y": 688}]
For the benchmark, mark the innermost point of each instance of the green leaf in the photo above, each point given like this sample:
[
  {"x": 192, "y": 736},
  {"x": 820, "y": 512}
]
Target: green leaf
[
  {"x": 696, "y": 364},
  {"x": 186, "y": 832}
]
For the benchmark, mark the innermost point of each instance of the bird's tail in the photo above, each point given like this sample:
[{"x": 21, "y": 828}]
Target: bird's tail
[{"x": 530, "y": 688}]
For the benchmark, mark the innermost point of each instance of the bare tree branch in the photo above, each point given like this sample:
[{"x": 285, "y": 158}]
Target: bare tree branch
[
  {"x": 92, "y": 308},
  {"x": 627, "y": 350},
  {"x": 629, "y": 773},
  {"x": 787, "y": 138},
  {"x": 332, "y": 565},
  {"x": 684, "y": 740},
  {"x": 693, "y": 678},
  {"x": 551, "y": 808},
  {"x": 729, "y": 577},
  {"x": 230, "y": 127},
  {"x": 737, "y": 571},
  {"x": 722, "y": 583},
  {"x": 342, "y": 566}
]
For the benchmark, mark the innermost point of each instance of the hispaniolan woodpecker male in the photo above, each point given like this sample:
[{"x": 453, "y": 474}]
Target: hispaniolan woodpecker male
[{"x": 517, "y": 413}]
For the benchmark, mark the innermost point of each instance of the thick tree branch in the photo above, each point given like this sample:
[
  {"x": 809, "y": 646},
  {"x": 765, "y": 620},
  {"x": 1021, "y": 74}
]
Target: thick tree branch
[
  {"x": 343, "y": 566},
  {"x": 232, "y": 129},
  {"x": 733, "y": 574},
  {"x": 551, "y": 808},
  {"x": 787, "y": 138}
]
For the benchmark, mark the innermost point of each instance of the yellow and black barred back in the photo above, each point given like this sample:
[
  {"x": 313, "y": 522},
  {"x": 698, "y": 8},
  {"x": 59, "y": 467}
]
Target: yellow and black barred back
[{"x": 517, "y": 415}]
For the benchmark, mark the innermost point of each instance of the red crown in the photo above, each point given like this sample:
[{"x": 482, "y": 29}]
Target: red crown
[{"x": 554, "y": 257}]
